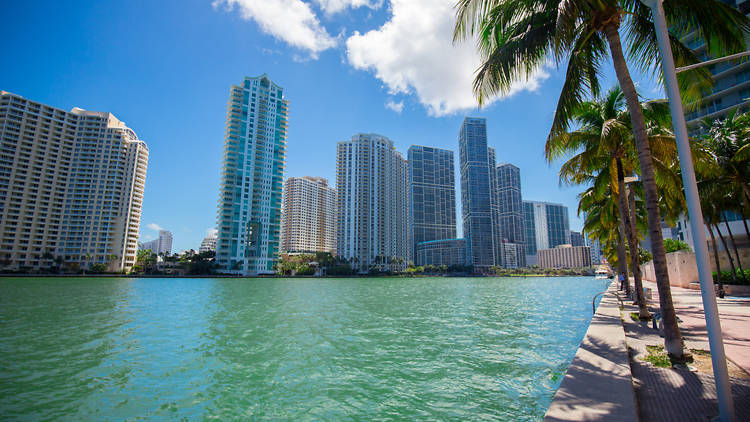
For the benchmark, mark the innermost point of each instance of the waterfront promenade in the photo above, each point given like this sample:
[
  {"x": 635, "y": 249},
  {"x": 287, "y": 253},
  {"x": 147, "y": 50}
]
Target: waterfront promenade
[
  {"x": 610, "y": 380},
  {"x": 734, "y": 313},
  {"x": 688, "y": 393}
]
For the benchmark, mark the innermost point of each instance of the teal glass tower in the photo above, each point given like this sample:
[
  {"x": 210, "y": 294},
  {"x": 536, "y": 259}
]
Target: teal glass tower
[{"x": 249, "y": 212}]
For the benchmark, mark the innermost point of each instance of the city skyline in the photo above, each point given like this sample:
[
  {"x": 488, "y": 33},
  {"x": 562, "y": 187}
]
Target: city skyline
[{"x": 332, "y": 98}]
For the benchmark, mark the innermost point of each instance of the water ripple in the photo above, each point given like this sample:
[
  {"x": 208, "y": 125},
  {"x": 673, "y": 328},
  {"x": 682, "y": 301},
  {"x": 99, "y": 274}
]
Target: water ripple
[{"x": 264, "y": 349}]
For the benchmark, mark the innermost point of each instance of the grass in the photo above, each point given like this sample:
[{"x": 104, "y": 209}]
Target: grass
[
  {"x": 657, "y": 356},
  {"x": 635, "y": 316}
]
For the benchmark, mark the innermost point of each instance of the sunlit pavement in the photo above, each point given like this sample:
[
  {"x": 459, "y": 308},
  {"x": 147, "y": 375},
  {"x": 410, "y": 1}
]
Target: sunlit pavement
[{"x": 734, "y": 313}]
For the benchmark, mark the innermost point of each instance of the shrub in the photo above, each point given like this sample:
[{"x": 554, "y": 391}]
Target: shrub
[
  {"x": 305, "y": 269},
  {"x": 726, "y": 277},
  {"x": 341, "y": 270},
  {"x": 644, "y": 255},
  {"x": 672, "y": 245},
  {"x": 98, "y": 268}
]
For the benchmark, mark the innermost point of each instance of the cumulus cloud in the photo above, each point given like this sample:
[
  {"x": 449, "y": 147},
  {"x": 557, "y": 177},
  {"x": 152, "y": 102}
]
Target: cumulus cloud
[
  {"x": 398, "y": 107},
  {"x": 334, "y": 6},
  {"x": 290, "y": 21},
  {"x": 413, "y": 53},
  {"x": 154, "y": 226}
]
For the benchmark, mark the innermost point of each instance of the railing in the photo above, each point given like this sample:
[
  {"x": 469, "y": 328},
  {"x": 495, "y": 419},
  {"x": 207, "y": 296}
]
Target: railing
[{"x": 593, "y": 301}]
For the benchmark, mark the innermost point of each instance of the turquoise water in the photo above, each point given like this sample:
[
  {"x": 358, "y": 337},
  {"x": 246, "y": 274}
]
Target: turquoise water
[{"x": 288, "y": 349}]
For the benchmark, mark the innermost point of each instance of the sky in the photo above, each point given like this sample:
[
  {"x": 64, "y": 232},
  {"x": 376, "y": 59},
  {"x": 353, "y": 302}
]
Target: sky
[{"x": 165, "y": 68}]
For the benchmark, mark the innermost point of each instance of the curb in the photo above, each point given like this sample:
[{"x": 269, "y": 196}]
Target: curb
[{"x": 598, "y": 385}]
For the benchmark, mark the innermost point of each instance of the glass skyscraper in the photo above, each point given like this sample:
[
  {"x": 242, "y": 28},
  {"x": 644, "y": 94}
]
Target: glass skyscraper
[
  {"x": 432, "y": 196},
  {"x": 511, "y": 218},
  {"x": 546, "y": 226},
  {"x": 479, "y": 195},
  {"x": 249, "y": 214}
]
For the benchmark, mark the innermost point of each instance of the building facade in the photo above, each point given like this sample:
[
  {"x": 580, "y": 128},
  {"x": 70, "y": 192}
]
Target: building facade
[
  {"x": 160, "y": 245},
  {"x": 596, "y": 251},
  {"x": 479, "y": 209},
  {"x": 71, "y": 187},
  {"x": 576, "y": 239},
  {"x": 511, "y": 215},
  {"x": 565, "y": 256},
  {"x": 432, "y": 196},
  {"x": 371, "y": 194},
  {"x": 249, "y": 211},
  {"x": 546, "y": 226},
  {"x": 731, "y": 90},
  {"x": 208, "y": 244},
  {"x": 448, "y": 252},
  {"x": 308, "y": 215}
]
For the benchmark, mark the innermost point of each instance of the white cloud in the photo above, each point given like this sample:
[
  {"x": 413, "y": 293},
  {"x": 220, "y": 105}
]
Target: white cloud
[
  {"x": 291, "y": 21},
  {"x": 154, "y": 226},
  {"x": 398, "y": 107},
  {"x": 413, "y": 53},
  {"x": 334, "y": 6}
]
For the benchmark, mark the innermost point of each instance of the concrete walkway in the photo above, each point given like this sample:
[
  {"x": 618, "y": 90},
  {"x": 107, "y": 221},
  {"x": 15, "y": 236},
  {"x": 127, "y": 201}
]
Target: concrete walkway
[
  {"x": 679, "y": 394},
  {"x": 598, "y": 385},
  {"x": 734, "y": 313}
]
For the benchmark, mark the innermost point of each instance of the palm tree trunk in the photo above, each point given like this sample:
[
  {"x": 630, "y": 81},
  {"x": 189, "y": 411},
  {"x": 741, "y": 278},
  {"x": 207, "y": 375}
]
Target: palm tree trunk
[
  {"x": 734, "y": 246},
  {"x": 672, "y": 335},
  {"x": 632, "y": 244},
  {"x": 622, "y": 258},
  {"x": 716, "y": 258},
  {"x": 729, "y": 254},
  {"x": 747, "y": 232},
  {"x": 643, "y": 310}
]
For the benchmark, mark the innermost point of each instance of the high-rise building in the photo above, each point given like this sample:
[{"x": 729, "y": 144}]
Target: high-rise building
[
  {"x": 596, "y": 250},
  {"x": 478, "y": 198},
  {"x": 160, "y": 245},
  {"x": 71, "y": 187},
  {"x": 502, "y": 251},
  {"x": 249, "y": 214},
  {"x": 371, "y": 183},
  {"x": 165, "y": 242},
  {"x": 529, "y": 232},
  {"x": 448, "y": 252},
  {"x": 511, "y": 215},
  {"x": 432, "y": 196},
  {"x": 208, "y": 244},
  {"x": 565, "y": 256},
  {"x": 308, "y": 215},
  {"x": 731, "y": 89},
  {"x": 576, "y": 239},
  {"x": 546, "y": 226}
]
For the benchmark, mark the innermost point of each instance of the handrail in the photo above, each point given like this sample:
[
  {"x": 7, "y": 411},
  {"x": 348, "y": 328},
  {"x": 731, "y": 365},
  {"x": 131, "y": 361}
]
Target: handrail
[{"x": 593, "y": 301}]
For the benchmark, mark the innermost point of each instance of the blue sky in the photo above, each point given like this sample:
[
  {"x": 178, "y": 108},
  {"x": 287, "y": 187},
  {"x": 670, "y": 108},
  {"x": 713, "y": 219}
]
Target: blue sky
[{"x": 165, "y": 68}]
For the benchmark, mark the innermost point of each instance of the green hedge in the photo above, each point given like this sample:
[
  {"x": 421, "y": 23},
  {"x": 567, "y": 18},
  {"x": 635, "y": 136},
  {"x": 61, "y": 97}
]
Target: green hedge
[{"x": 726, "y": 277}]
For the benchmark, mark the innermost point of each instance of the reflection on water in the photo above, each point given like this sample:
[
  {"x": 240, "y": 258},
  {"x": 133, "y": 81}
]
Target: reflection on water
[{"x": 294, "y": 349}]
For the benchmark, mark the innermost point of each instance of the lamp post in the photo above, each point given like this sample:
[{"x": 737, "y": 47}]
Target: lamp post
[{"x": 710, "y": 309}]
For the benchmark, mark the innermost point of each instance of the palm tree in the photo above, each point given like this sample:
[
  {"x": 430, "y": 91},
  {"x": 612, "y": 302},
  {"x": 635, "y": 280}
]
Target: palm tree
[
  {"x": 606, "y": 150},
  {"x": 711, "y": 217},
  {"x": 726, "y": 174},
  {"x": 515, "y": 37},
  {"x": 728, "y": 142}
]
